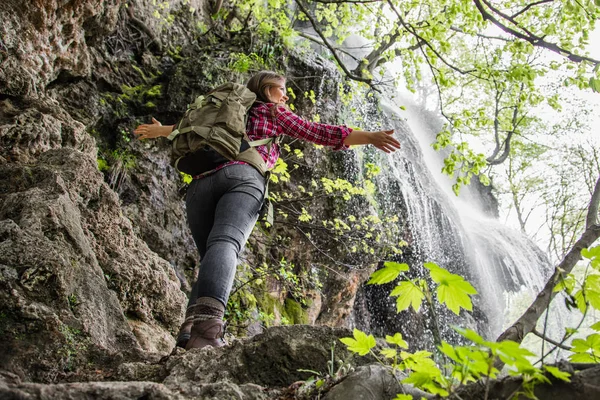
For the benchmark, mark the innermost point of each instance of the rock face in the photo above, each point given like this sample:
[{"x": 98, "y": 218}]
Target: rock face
[
  {"x": 44, "y": 39},
  {"x": 75, "y": 278}
]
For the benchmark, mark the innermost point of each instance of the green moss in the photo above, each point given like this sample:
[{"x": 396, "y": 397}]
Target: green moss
[
  {"x": 267, "y": 303},
  {"x": 141, "y": 94},
  {"x": 294, "y": 312},
  {"x": 154, "y": 91},
  {"x": 73, "y": 349},
  {"x": 146, "y": 76}
]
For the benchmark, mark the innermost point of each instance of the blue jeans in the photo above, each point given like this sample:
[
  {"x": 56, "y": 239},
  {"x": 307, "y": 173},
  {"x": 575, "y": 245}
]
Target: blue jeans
[{"x": 222, "y": 209}]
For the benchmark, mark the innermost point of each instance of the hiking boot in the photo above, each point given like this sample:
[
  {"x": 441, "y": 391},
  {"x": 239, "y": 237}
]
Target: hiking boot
[
  {"x": 184, "y": 334},
  {"x": 206, "y": 333}
]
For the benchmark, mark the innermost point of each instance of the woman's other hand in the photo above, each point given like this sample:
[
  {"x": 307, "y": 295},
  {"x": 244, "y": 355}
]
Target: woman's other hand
[
  {"x": 384, "y": 140},
  {"x": 153, "y": 130}
]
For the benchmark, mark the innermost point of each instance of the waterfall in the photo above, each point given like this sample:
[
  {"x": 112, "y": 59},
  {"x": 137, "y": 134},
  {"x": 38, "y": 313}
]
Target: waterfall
[{"x": 460, "y": 234}]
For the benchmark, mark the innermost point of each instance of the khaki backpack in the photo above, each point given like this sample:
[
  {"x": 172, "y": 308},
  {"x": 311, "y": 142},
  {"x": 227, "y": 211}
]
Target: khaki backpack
[{"x": 217, "y": 121}]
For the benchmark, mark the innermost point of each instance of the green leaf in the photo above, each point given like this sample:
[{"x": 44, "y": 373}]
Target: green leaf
[
  {"x": 472, "y": 336},
  {"x": 582, "y": 358},
  {"x": 450, "y": 351},
  {"x": 453, "y": 290},
  {"x": 595, "y": 84},
  {"x": 557, "y": 373},
  {"x": 389, "y": 353},
  {"x": 427, "y": 379},
  {"x": 420, "y": 361},
  {"x": 418, "y": 379},
  {"x": 400, "y": 396},
  {"x": 592, "y": 254},
  {"x": 511, "y": 353},
  {"x": 361, "y": 343},
  {"x": 596, "y": 326},
  {"x": 388, "y": 273},
  {"x": 566, "y": 283},
  {"x": 593, "y": 298},
  {"x": 587, "y": 350},
  {"x": 456, "y": 295},
  {"x": 408, "y": 294},
  {"x": 397, "y": 340},
  {"x": 580, "y": 301}
]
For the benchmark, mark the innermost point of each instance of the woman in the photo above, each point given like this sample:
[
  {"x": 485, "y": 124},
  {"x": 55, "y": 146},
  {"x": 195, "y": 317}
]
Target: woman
[{"x": 223, "y": 205}]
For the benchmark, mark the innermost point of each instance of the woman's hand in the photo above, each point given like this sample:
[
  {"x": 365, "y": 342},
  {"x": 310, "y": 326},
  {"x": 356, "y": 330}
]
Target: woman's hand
[
  {"x": 153, "y": 130},
  {"x": 384, "y": 140}
]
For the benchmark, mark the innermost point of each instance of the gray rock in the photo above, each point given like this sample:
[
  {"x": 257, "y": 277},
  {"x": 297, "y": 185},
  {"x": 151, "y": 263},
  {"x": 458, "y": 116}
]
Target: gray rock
[
  {"x": 372, "y": 382},
  {"x": 273, "y": 358},
  {"x": 89, "y": 391},
  {"x": 75, "y": 279}
]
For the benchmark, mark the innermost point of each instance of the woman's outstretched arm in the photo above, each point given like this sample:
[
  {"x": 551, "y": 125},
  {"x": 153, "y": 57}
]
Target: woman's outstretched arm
[
  {"x": 383, "y": 140},
  {"x": 153, "y": 130}
]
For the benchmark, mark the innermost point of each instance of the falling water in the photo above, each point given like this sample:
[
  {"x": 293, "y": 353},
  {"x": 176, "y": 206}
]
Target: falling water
[{"x": 460, "y": 234}]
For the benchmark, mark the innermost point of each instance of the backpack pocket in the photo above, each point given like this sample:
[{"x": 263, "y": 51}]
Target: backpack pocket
[{"x": 231, "y": 116}]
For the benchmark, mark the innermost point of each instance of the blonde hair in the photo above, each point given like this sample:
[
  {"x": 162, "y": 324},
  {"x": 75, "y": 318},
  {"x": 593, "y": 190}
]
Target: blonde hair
[{"x": 261, "y": 82}]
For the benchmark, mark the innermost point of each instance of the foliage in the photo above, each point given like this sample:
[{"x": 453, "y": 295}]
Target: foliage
[
  {"x": 242, "y": 63},
  {"x": 361, "y": 343},
  {"x": 462, "y": 364},
  {"x": 299, "y": 206},
  {"x": 583, "y": 294},
  {"x": 487, "y": 61},
  {"x": 357, "y": 237},
  {"x": 250, "y": 294},
  {"x": 452, "y": 290}
]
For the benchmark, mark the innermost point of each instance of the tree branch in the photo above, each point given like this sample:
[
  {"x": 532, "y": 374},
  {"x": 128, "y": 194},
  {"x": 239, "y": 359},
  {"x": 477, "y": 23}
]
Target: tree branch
[
  {"x": 592, "y": 215},
  {"x": 498, "y": 96},
  {"x": 330, "y": 47},
  {"x": 505, "y": 152},
  {"x": 547, "y": 339},
  {"x": 456, "y": 29},
  {"x": 529, "y": 37},
  {"x": 371, "y": 60},
  {"x": 493, "y": 160},
  {"x": 412, "y": 31},
  {"x": 537, "y": 3},
  {"x": 144, "y": 28}
]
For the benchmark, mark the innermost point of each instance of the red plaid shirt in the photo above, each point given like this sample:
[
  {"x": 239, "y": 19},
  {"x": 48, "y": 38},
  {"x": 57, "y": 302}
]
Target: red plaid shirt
[{"x": 263, "y": 124}]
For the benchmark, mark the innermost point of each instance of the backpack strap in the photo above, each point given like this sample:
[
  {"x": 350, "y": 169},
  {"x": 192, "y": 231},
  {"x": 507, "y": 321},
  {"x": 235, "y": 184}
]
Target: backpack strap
[
  {"x": 266, "y": 212},
  {"x": 199, "y": 130},
  {"x": 261, "y": 142}
]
